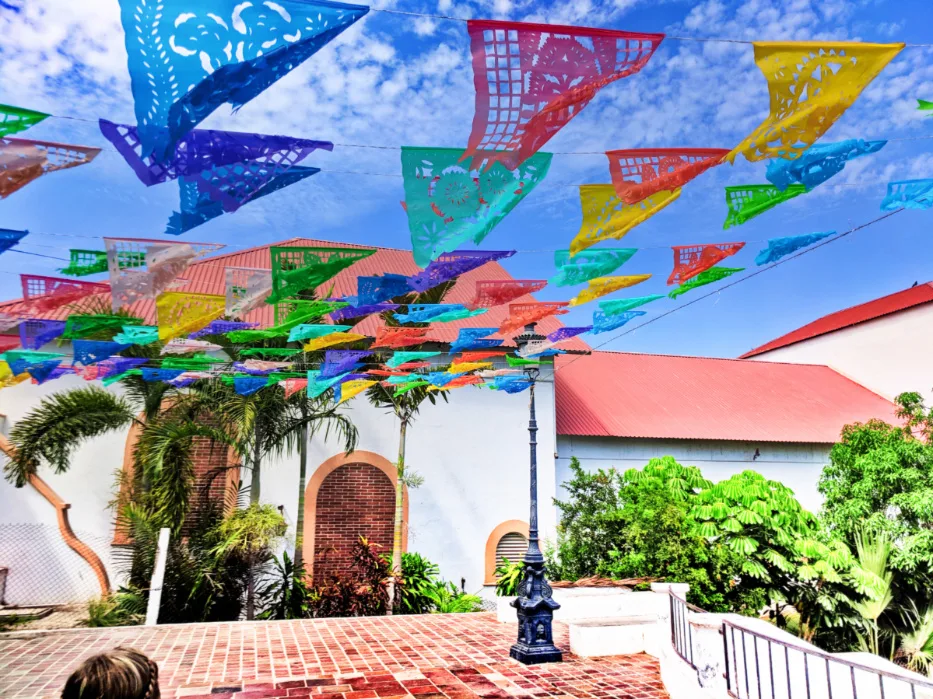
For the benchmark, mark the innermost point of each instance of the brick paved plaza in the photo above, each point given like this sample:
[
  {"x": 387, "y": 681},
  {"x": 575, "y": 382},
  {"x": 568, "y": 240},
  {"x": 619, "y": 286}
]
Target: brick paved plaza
[{"x": 457, "y": 656}]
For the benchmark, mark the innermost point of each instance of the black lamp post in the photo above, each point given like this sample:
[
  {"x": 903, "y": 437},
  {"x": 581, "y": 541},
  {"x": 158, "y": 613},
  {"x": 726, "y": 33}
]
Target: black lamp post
[{"x": 534, "y": 604}]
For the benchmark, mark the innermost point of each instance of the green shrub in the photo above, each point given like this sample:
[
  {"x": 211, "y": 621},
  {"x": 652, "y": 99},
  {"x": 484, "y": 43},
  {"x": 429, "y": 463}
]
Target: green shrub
[
  {"x": 508, "y": 577},
  {"x": 419, "y": 578},
  {"x": 126, "y": 607},
  {"x": 447, "y": 598}
]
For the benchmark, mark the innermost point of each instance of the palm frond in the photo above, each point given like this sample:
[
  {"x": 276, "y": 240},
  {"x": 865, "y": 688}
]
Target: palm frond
[
  {"x": 163, "y": 456},
  {"x": 52, "y": 432}
]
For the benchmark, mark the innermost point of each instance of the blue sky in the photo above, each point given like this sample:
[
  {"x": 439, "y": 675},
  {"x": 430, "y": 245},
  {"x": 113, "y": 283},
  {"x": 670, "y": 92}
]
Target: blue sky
[{"x": 392, "y": 80}]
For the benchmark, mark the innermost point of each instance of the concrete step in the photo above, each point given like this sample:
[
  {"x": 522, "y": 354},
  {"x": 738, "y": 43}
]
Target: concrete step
[{"x": 613, "y": 636}]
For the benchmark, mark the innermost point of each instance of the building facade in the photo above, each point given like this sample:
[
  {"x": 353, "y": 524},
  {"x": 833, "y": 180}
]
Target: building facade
[{"x": 882, "y": 344}]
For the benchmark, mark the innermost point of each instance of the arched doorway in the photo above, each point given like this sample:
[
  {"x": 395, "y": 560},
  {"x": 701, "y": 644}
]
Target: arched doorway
[{"x": 348, "y": 496}]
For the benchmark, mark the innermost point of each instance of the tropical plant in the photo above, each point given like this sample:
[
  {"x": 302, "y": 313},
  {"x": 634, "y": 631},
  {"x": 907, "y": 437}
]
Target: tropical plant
[
  {"x": 447, "y": 598},
  {"x": 53, "y": 430},
  {"x": 875, "y": 577},
  {"x": 126, "y": 607},
  {"x": 266, "y": 424},
  {"x": 419, "y": 576},
  {"x": 508, "y": 577},
  {"x": 361, "y": 591},
  {"x": 250, "y": 533},
  {"x": 285, "y": 593}
]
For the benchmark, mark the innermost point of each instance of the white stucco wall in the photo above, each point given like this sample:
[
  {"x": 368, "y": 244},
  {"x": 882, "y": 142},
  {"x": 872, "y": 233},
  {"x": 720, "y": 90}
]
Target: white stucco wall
[
  {"x": 888, "y": 355},
  {"x": 472, "y": 453},
  {"x": 797, "y": 466}
]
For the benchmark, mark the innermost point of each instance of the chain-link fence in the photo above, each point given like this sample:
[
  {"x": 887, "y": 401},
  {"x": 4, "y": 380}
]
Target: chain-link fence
[{"x": 43, "y": 570}]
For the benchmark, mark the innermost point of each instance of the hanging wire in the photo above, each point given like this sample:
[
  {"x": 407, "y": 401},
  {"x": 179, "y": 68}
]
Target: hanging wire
[
  {"x": 667, "y": 37},
  {"x": 735, "y": 282}
]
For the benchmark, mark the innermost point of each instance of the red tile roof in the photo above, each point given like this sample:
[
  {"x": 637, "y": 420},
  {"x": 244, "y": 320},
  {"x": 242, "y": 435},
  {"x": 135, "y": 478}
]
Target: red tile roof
[
  {"x": 208, "y": 277},
  {"x": 613, "y": 394},
  {"x": 908, "y": 298}
]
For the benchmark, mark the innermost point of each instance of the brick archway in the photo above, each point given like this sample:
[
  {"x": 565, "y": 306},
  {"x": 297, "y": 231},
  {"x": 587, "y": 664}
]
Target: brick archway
[{"x": 351, "y": 494}]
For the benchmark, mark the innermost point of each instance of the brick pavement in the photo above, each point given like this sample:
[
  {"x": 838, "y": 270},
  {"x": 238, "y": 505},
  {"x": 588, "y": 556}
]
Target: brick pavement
[{"x": 461, "y": 656}]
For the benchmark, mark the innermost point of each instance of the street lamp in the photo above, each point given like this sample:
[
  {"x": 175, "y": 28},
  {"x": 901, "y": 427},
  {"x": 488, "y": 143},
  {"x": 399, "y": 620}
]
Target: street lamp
[{"x": 534, "y": 604}]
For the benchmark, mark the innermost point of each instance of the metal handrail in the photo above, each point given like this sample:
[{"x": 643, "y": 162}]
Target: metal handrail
[
  {"x": 731, "y": 665},
  {"x": 681, "y": 632}
]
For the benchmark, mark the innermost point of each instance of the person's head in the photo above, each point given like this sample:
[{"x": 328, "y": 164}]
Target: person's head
[{"x": 121, "y": 673}]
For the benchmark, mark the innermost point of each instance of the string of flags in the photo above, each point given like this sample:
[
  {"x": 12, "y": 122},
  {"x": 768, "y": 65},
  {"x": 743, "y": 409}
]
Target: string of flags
[{"x": 530, "y": 82}]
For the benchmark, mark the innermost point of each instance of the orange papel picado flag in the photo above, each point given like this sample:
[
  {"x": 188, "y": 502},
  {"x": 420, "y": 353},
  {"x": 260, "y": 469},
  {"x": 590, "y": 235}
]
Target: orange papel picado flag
[
  {"x": 606, "y": 285},
  {"x": 180, "y": 313},
  {"x": 811, "y": 84},
  {"x": 606, "y": 217}
]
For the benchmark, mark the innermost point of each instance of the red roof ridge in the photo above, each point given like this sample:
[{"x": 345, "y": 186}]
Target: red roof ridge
[
  {"x": 318, "y": 243},
  {"x": 716, "y": 359},
  {"x": 916, "y": 295}
]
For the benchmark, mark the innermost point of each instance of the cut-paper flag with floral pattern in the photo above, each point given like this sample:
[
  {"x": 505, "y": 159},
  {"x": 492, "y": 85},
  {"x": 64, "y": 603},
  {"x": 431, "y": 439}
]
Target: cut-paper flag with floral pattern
[
  {"x": 296, "y": 269},
  {"x": 36, "y": 332},
  {"x": 710, "y": 276},
  {"x": 182, "y": 313},
  {"x": 606, "y": 217},
  {"x": 908, "y": 194},
  {"x": 818, "y": 163},
  {"x": 747, "y": 201},
  {"x": 782, "y": 247},
  {"x": 451, "y": 265},
  {"x": 197, "y": 207},
  {"x": 613, "y": 307},
  {"x": 811, "y": 84},
  {"x": 604, "y": 322},
  {"x": 10, "y": 238},
  {"x": 450, "y": 204},
  {"x": 601, "y": 286},
  {"x": 491, "y": 293},
  {"x": 164, "y": 262},
  {"x": 691, "y": 260},
  {"x": 394, "y": 338},
  {"x": 641, "y": 172},
  {"x": 474, "y": 339},
  {"x": 22, "y": 161},
  {"x": 188, "y": 57},
  {"x": 44, "y": 294},
  {"x": 531, "y": 79},
  {"x": 16, "y": 119},
  {"x": 588, "y": 264},
  {"x": 522, "y": 314}
]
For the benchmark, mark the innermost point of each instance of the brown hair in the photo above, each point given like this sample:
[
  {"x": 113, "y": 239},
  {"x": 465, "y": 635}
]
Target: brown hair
[{"x": 122, "y": 673}]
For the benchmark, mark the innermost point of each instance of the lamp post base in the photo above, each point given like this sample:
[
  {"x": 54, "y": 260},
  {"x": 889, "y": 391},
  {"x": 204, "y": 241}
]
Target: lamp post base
[{"x": 535, "y": 655}]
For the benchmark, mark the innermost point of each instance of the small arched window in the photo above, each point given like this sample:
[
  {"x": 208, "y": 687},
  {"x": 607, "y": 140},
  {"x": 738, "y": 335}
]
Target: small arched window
[
  {"x": 511, "y": 546},
  {"x": 508, "y": 540}
]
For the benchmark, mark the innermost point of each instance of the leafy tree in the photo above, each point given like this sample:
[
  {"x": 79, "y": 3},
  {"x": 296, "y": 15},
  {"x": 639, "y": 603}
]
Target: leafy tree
[
  {"x": 589, "y": 525},
  {"x": 881, "y": 476}
]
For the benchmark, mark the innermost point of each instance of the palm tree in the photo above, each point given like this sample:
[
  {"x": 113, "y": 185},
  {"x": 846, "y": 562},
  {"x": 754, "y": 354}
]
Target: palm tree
[
  {"x": 267, "y": 424},
  {"x": 405, "y": 407}
]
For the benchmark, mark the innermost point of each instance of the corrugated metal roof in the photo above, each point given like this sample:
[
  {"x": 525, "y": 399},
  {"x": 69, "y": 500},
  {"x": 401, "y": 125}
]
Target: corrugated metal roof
[
  {"x": 915, "y": 296},
  {"x": 208, "y": 277},
  {"x": 614, "y": 394}
]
